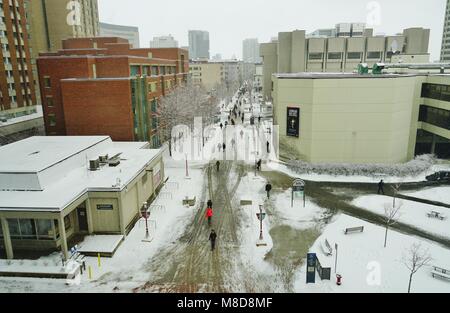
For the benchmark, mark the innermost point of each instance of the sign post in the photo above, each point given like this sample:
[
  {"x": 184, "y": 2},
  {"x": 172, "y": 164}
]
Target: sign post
[
  {"x": 298, "y": 190},
  {"x": 311, "y": 268},
  {"x": 335, "y": 261}
]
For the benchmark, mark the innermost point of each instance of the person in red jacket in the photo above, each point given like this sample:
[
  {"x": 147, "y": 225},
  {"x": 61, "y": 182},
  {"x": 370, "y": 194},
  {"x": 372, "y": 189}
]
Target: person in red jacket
[{"x": 209, "y": 214}]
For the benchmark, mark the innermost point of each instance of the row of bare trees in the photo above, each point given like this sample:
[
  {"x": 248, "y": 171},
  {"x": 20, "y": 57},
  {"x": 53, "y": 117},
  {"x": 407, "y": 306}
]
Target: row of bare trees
[{"x": 187, "y": 102}]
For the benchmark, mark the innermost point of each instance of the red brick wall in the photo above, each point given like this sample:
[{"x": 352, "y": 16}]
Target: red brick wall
[
  {"x": 57, "y": 69},
  {"x": 100, "y": 107}
]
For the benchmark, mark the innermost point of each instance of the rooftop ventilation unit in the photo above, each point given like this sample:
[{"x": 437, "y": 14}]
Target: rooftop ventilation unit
[
  {"x": 94, "y": 165},
  {"x": 103, "y": 158}
]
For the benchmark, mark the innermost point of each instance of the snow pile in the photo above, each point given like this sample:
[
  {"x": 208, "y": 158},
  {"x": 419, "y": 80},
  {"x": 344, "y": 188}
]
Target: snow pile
[
  {"x": 415, "y": 167},
  {"x": 411, "y": 213},
  {"x": 366, "y": 266}
]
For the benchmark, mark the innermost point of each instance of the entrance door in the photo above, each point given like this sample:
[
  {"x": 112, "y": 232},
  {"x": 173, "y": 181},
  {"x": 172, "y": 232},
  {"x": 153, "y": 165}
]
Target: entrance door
[{"x": 82, "y": 219}]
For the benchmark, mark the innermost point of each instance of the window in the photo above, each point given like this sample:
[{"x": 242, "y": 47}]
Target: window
[
  {"x": 153, "y": 87},
  {"x": 47, "y": 82},
  {"x": 44, "y": 228},
  {"x": 374, "y": 55},
  {"x": 134, "y": 70},
  {"x": 154, "y": 71},
  {"x": 354, "y": 55},
  {"x": 315, "y": 56},
  {"x": 105, "y": 207},
  {"x": 436, "y": 91},
  {"x": 67, "y": 222},
  {"x": 334, "y": 56},
  {"x": 52, "y": 119},
  {"x": 435, "y": 116},
  {"x": 49, "y": 101}
]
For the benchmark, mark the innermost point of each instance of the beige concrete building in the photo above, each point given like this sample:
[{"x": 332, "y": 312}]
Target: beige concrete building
[
  {"x": 445, "y": 47},
  {"x": 51, "y": 191},
  {"x": 351, "y": 118},
  {"x": 293, "y": 52},
  {"x": 52, "y": 21},
  {"x": 206, "y": 74}
]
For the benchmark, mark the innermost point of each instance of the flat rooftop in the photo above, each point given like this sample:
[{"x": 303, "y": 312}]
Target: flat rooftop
[
  {"x": 38, "y": 153},
  {"x": 49, "y": 173},
  {"x": 320, "y": 75}
]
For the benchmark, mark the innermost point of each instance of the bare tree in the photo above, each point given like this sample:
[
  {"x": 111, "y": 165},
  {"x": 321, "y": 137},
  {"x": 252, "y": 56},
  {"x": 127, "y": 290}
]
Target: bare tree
[
  {"x": 390, "y": 218},
  {"x": 415, "y": 259},
  {"x": 396, "y": 190}
]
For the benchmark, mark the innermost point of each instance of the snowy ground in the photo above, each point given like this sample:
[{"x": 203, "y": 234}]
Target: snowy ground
[
  {"x": 411, "y": 213},
  {"x": 439, "y": 194},
  {"x": 179, "y": 259},
  {"x": 279, "y": 166},
  {"x": 361, "y": 256}
]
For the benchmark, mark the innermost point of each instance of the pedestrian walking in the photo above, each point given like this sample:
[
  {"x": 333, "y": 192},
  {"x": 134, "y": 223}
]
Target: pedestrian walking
[
  {"x": 209, "y": 203},
  {"x": 242, "y": 118},
  {"x": 268, "y": 147},
  {"x": 221, "y": 126},
  {"x": 268, "y": 189},
  {"x": 380, "y": 187},
  {"x": 209, "y": 215},
  {"x": 259, "y": 119},
  {"x": 212, "y": 238},
  {"x": 218, "y": 166},
  {"x": 258, "y": 165},
  {"x": 242, "y": 134}
]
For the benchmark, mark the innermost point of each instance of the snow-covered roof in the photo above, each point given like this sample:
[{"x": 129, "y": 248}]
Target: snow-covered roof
[
  {"x": 49, "y": 173},
  {"x": 315, "y": 75}
]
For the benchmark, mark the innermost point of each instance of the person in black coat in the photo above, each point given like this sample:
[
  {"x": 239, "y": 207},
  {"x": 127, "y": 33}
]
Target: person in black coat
[
  {"x": 380, "y": 187},
  {"x": 268, "y": 189},
  {"x": 212, "y": 238},
  {"x": 218, "y": 166},
  {"x": 209, "y": 204}
]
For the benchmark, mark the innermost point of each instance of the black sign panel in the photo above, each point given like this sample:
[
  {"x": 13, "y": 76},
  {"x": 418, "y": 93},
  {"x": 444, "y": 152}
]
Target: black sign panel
[
  {"x": 311, "y": 268},
  {"x": 293, "y": 122}
]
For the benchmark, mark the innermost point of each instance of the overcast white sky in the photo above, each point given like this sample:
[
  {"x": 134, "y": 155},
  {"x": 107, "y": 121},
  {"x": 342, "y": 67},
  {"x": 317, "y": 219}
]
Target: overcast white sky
[{"x": 231, "y": 21}]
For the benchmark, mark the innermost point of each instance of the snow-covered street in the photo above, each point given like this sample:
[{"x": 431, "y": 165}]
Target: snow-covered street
[{"x": 179, "y": 258}]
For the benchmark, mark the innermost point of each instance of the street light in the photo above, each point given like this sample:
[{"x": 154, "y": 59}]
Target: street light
[
  {"x": 261, "y": 217},
  {"x": 145, "y": 214}
]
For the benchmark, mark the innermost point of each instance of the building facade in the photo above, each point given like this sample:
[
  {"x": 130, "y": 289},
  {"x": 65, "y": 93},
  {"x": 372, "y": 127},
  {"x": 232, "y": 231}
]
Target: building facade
[
  {"x": 101, "y": 86},
  {"x": 292, "y": 52},
  {"x": 199, "y": 45},
  {"x": 42, "y": 208},
  {"x": 211, "y": 73},
  {"x": 445, "y": 47},
  {"x": 352, "y": 118},
  {"x": 164, "y": 42},
  {"x": 250, "y": 51},
  {"x": 52, "y": 21},
  {"x": 130, "y": 33},
  {"x": 17, "y": 90}
]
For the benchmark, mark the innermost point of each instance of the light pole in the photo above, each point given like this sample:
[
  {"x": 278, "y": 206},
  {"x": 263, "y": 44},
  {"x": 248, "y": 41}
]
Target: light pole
[
  {"x": 261, "y": 217},
  {"x": 145, "y": 214}
]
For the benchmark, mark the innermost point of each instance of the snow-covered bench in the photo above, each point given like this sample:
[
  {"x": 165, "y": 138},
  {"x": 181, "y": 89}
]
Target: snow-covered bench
[
  {"x": 359, "y": 229},
  {"x": 326, "y": 247},
  {"x": 440, "y": 272}
]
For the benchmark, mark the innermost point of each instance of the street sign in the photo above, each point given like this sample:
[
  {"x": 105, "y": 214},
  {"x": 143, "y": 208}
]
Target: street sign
[
  {"x": 311, "y": 268},
  {"x": 261, "y": 216},
  {"x": 298, "y": 191}
]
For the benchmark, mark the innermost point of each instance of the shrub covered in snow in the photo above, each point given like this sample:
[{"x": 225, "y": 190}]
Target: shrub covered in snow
[{"x": 415, "y": 167}]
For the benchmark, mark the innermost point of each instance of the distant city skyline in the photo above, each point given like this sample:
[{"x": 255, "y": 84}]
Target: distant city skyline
[{"x": 273, "y": 17}]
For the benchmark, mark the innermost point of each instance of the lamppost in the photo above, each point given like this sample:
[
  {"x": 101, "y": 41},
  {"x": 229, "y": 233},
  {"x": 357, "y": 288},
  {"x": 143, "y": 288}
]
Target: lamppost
[
  {"x": 145, "y": 214},
  {"x": 261, "y": 217}
]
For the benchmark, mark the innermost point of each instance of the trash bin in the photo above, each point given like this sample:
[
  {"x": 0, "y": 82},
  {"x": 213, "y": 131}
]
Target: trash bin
[{"x": 338, "y": 279}]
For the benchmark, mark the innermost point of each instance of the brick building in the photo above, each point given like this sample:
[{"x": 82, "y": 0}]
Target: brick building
[
  {"x": 102, "y": 86},
  {"x": 17, "y": 93}
]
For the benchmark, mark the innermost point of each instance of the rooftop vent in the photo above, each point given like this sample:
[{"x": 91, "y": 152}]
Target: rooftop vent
[{"x": 94, "y": 165}]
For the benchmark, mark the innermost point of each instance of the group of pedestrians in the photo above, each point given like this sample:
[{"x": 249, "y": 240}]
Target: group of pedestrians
[{"x": 209, "y": 215}]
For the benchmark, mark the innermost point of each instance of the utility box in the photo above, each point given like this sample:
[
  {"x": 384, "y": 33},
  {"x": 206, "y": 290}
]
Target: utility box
[
  {"x": 363, "y": 68},
  {"x": 378, "y": 68}
]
